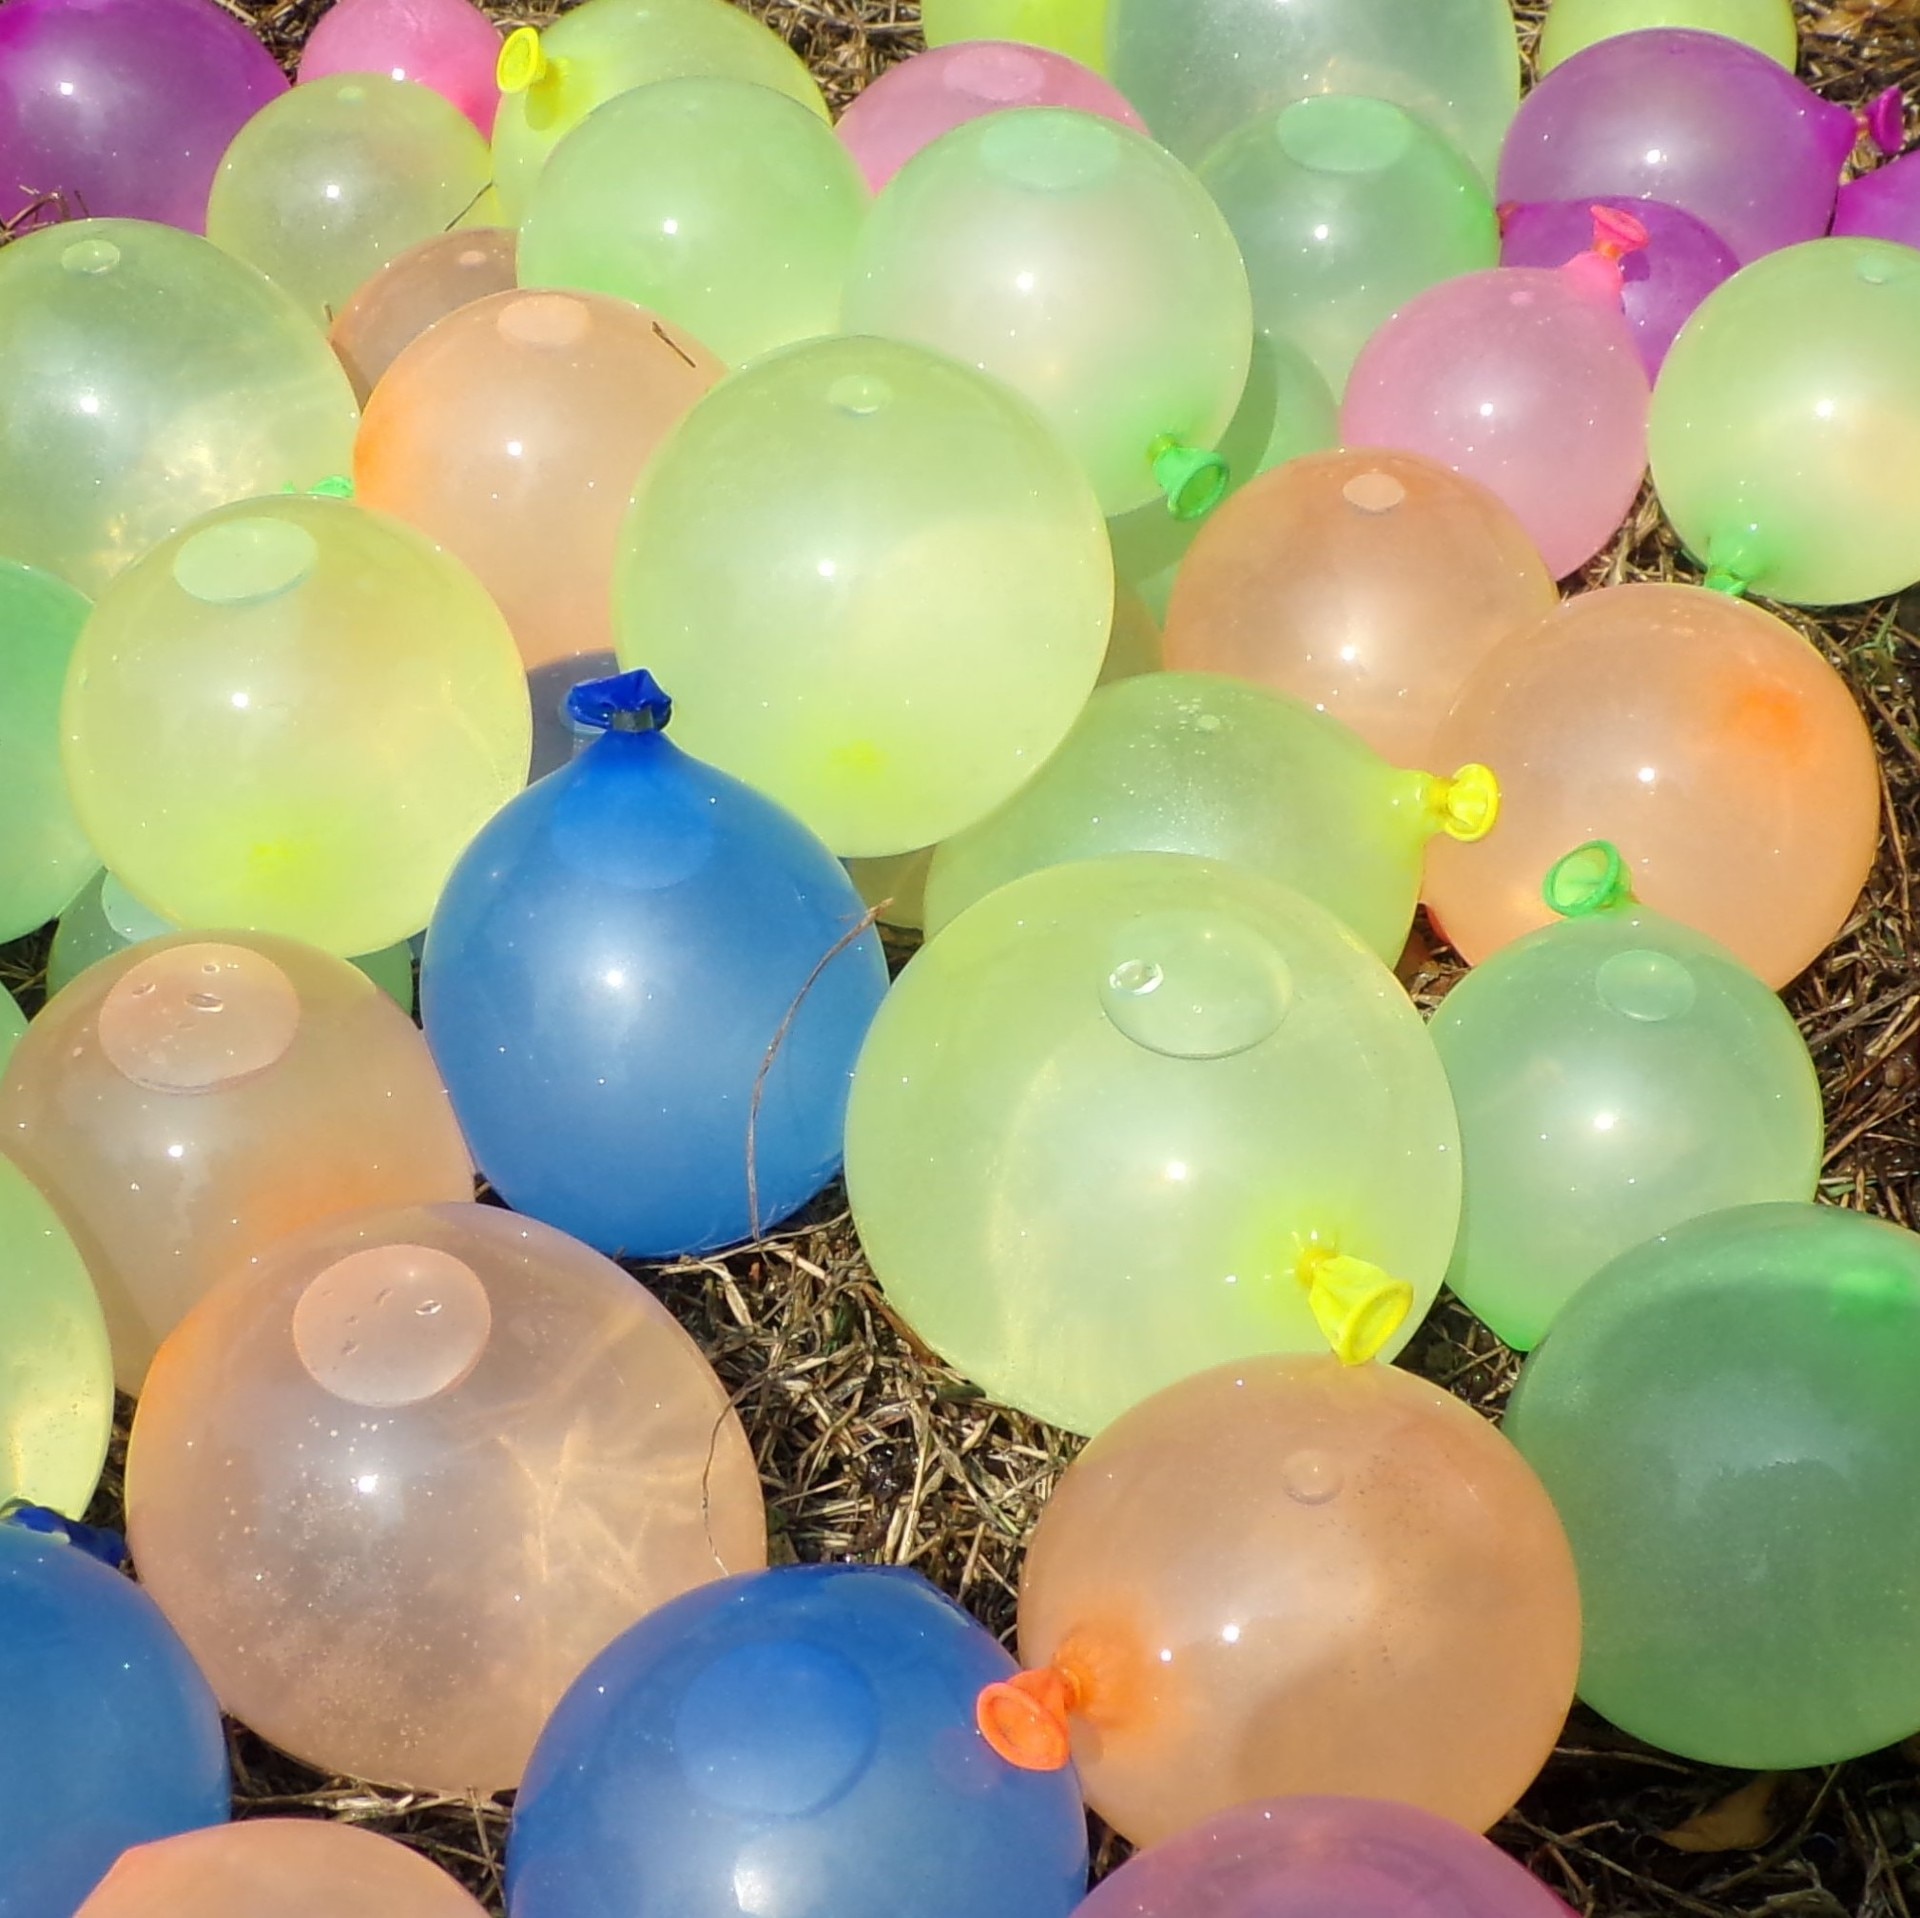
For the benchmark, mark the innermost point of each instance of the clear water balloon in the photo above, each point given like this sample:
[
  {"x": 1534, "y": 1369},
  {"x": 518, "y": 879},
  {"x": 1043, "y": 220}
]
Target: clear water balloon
[
  {"x": 448, "y": 45},
  {"x": 1571, "y": 26}
]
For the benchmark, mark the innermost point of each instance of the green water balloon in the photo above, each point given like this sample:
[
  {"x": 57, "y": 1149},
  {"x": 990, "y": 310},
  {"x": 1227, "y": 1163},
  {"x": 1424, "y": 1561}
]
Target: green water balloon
[
  {"x": 1077, "y": 28},
  {"x": 1573, "y": 25},
  {"x": 1726, "y": 1422},
  {"x": 1788, "y": 467},
  {"x": 724, "y": 207},
  {"x": 13, "y": 1022},
  {"x": 1616, "y": 1074}
]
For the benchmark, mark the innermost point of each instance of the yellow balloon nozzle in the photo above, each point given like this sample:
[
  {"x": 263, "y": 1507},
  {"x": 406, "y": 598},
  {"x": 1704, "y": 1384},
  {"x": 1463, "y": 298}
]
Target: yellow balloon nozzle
[
  {"x": 1592, "y": 878},
  {"x": 523, "y": 62},
  {"x": 1358, "y": 1306},
  {"x": 1467, "y": 806},
  {"x": 1024, "y": 1718},
  {"x": 1193, "y": 480}
]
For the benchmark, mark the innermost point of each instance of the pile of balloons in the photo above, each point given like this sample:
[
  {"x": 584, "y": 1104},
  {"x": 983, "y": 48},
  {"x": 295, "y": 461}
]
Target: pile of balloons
[{"x": 559, "y": 529}]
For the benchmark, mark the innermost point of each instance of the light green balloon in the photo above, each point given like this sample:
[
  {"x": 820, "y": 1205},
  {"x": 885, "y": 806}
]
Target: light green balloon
[
  {"x": 1199, "y": 764},
  {"x": 150, "y": 377},
  {"x": 1196, "y": 69},
  {"x": 1765, "y": 25},
  {"x": 1791, "y": 466},
  {"x": 721, "y": 206},
  {"x": 554, "y": 78},
  {"x": 44, "y": 855},
  {"x": 1077, "y": 28},
  {"x": 1346, "y": 208},
  {"x": 1616, "y": 1074},
  {"x": 1112, "y": 1124},
  {"x": 13, "y": 1022}
]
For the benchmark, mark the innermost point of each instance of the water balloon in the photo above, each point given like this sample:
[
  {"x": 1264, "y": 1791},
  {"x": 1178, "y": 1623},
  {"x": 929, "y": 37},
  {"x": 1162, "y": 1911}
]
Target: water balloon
[
  {"x": 391, "y": 308},
  {"x": 448, "y": 45}
]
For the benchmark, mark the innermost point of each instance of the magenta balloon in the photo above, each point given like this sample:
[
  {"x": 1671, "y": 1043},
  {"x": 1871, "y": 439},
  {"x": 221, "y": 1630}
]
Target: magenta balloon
[
  {"x": 1524, "y": 379},
  {"x": 1693, "y": 120},
  {"x": 931, "y": 93},
  {"x": 1682, "y": 262},
  {"x": 448, "y": 45},
  {"x": 124, "y": 107},
  {"x": 1306, "y": 1857},
  {"x": 1883, "y": 204}
]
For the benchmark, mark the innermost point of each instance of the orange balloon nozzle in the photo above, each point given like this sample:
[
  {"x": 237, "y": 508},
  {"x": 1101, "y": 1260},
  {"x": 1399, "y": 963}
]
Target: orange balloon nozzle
[
  {"x": 523, "y": 62},
  {"x": 1596, "y": 274},
  {"x": 1358, "y": 1306},
  {"x": 1024, "y": 1718},
  {"x": 1592, "y": 878},
  {"x": 1467, "y": 806},
  {"x": 1194, "y": 481}
]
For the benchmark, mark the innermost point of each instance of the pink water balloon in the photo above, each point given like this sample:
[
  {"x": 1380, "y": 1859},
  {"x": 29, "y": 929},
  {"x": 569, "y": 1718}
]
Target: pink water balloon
[
  {"x": 912, "y": 104},
  {"x": 448, "y": 45}
]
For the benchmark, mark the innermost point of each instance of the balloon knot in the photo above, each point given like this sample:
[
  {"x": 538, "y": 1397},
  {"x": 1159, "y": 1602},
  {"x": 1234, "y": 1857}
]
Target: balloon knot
[{"x": 1024, "y": 1718}]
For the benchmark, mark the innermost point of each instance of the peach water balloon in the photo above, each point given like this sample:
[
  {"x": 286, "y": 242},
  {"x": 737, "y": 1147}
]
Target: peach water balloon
[
  {"x": 1616, "y": 1074},
  {"x": 1130, "y": 1117},
  {"x": 448, "y": 45},
  {"x": 1706, "y": 740},
  {"x": 1369, "y": 585},
  {"x": 1291, "y": 1576},
  {"x": 398, "y": 1483},
  {"x": 867, "y": 535},
  {"x": 1087, "y": 268},
  {"x": 725, "y": 207},
  {"x": 1571, "y": 26},
  {"x": 393, "y": 307},
  {"x": 1194, "y": 763},
  {"x": 150, "y": 378},
  {"x": 293, "y": 716},
  {"x": 1077, "y": 28},
  {"x": 190, "y": 1100}
]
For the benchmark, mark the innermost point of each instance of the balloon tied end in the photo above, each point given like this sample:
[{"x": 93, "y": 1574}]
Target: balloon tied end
[
  {"x": 523, "y": 62},
  {"x": 1358, "y": 1306},
  {"x": 1720, "y": 580},
  {"x": 108, "y": 1547},
  {"x": 625, "y": 703},
  {"x": 1194, "y": 481},
  {"x": 1024, "y": 1719},
  {"x": 1467, "y": 806},
  {"x": 1592, "y": 878}
]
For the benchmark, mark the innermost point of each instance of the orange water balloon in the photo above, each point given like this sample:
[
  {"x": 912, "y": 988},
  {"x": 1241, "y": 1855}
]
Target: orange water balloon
[{"x": 425, "y": 283}]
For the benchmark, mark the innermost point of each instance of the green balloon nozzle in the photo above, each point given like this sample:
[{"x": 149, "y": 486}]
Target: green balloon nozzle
[
  {"x": 1194, "y": 481},
  {"x": 1591, "y": 879},
  {"x": 1719, "y": 580},
  {"x": 1358, "y": 1306},
  {"x": 1467, "y": 806}
]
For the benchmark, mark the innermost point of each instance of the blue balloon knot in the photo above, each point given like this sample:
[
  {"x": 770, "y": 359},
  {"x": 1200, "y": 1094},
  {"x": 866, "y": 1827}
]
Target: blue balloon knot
[
  {"x": 628, "y": 703},
  {"x": 108, "y": 1547}
]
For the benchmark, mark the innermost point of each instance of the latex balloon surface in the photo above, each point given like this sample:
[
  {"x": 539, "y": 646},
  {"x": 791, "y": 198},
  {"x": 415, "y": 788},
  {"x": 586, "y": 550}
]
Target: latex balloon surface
[
  {"x": 1130, "y": 1117},
  {"x": 928, "y": 94},
  {"x": 293, "y": 716},
  {"x": 1693, "y": 120},
  {"x": 44, "y": 855},
  {"x": 122, "y": 108},
  {"x": 809, "y": 1733},
  {"x": 393, "y": 307},
  {"x": 512, "y": 433},
  {"x": 1615, "y": 1074},
  {"x": 552, "y": 80},
  {"x": 646, "y": 986},
  {"x": 56, "y": 1380},
  {"x": 1765, "y": 25},
  {"x": 540, "y": 1451},
  {"x": 292, "y": 1867},
  {"x": 340, "y": 176},
  {"x": 1077, "y": 28},
  {"x": 1767, "y": 494},
  {"x": 1345, "y": 208},
  {"x": 1289, "y": 1576},
  {"x": 1882, "y": 205},
  {"x": 448, "y": 45},
  {"x": 189, "y": 1101},
  {"x": 867, "y": 536},
  {"x": 1724, "y": 1420},
  {"x": 1194, "y": 763},
  {"x": 1198, "y": 71},
  {"x": 13, "y": 1022},
  {"x": 1526, "y": 380},
  {"x": 108, "y": 1735},
  {"x": 894, "y": 889},
  {"x": 1083, "y": 265},
  {"x": 1306, "y": 1857},
  {"x": 150, "y": 378},
  {"x": 1710, "y": 743},
  {"x": 1369, "y": 584}
]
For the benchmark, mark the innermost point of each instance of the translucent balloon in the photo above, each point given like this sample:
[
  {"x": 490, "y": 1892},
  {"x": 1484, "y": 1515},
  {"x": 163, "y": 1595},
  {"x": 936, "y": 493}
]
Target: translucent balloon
[
  {"x": 1199, "y": 70},
  {"x": 1716, "y": 748},
  {"x": 1526, "y": 380},
  {"x": 646, "y": 986},
  {"x": 1087, "y": 268},
  {"x": 150, "y": 378},
  {"x": 44, "y": 855},
  {"x": 393, "y": 307},
  {"x": 1759, "y": 438},
  {"x": 1726, "y": 1421},
  {"x": 398, "y": 1483},
  {"x": 1077, "y": 28},
  {"x": 1193, "y": 763},
  {"x": 13, "y": 1022},
  {"x": 869, "y": 537},
  {"x": 108, "y": 1734},
  {"x": 187, "y": 1102},
  {"x": 122, "y": 108},
  {"x": 1571, "y": 26},
  {"x": 448, "y": 45},
  {"x": 553, "y": 79},
  {"x": 1292, "y": 1576},
  {"x": 1693, "y": 120},
  {"x": 928, "y": 94},
  {"x": 894, "y": 889},
  {"x": 293, "y": 716},
  {"x": 807, "y": 1734},
  {"x": 1131, "y": 1117},
  {"x": 1345, "y": 208},
  {"x": 1308, "y": 1857},
  {"x": 1616, "y": 1074},
  {"x": 340, "y": 176},
  {"x": 1882, "y": 205},
  {"x": 1370, "y": 585}
]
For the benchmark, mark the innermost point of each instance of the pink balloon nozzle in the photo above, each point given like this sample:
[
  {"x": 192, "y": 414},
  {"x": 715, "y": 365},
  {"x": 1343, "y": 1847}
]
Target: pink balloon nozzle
[
  {"x": 1596, "y": 274},
  {"x": 1884, "y": 121}
]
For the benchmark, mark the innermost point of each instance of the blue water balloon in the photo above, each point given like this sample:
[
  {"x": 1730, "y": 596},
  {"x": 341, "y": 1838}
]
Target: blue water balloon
[
  {"x": 800, "y": 1742},
  {"x": 646, "y": 986}
]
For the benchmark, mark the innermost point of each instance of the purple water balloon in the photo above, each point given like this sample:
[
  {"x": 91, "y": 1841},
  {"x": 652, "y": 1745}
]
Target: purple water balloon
[
  {"x": 1883, "y": 205},
  {"x": 1306, "y": 1857},
  {"x": 1692, "y": 120},
  {"x": 1681, "y": 263}
]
